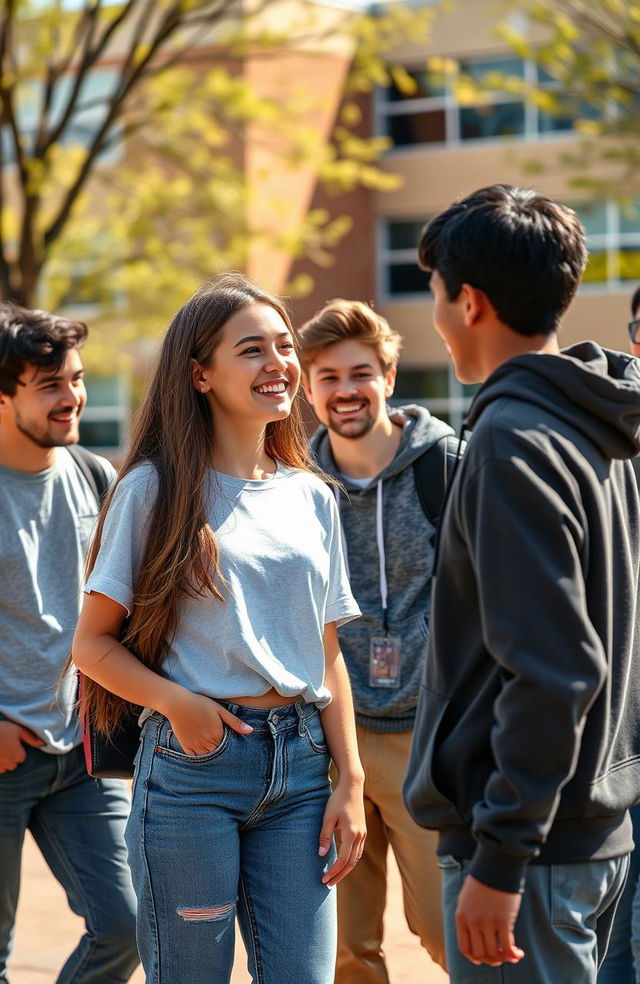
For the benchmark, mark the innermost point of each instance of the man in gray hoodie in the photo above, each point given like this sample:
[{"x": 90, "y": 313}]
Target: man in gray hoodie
[
  {"x": 349, "y": 356},
  {"x": 526, "y": 754}
]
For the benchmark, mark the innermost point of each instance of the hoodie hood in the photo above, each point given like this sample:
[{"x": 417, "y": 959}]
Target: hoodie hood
[
  {"x": 419, "y": 431},
  {"x": 593, "y": 389}
]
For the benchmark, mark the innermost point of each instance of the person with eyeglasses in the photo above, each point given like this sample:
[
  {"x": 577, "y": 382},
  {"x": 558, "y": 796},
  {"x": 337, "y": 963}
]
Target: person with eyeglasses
[{"x": 622, "y": 962}]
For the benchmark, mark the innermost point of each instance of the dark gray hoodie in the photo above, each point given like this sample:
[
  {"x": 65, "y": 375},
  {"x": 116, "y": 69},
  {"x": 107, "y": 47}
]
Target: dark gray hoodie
[
  {"x": 409, "y": 548},
  {"x": 527, "y": 739}
]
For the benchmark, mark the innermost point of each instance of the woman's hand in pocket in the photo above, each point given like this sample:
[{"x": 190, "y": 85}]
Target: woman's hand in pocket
[{"x": 198, "y": 722}]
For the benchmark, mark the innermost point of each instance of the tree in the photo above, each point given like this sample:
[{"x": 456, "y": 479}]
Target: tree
[
  {"x": 124, "y": 130},
  {"x": 590, "y": 50}
]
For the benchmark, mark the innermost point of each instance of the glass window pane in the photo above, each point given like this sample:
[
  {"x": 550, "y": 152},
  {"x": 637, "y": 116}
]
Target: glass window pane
[
  {"x": 596, "y": 272},
  {"x": 98, "y": 85},
  {"x": 550, "y": 123},
  {"x": 100, "y": 433},
  {"x": 427, "y": 86},
  {"x": 417, "y": 128},
  {"x": 103, "y": 391},
  {"x": 545, "y": 77},
  {"x": 407, "y": 278},
  {"x": 629, "y": 263},
  {"x": 478, "y": 123},
  {"x": 478, "y": 68},
  {"x": 630, "y": 216},
  {"x": 586, "y": 111},
  {"x": 567, "y": 112},
  {"x": 405, "y": 235},
  {"x": 422, "y": 384},
  {"x": 592, "y": 215}
]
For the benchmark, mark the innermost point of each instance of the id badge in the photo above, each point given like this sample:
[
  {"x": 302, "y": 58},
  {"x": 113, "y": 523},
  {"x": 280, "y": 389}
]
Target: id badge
[{"x": 384, "y": 661}]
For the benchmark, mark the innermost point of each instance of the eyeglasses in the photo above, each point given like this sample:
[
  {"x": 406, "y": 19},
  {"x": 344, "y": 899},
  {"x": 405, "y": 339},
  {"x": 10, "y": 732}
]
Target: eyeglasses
[{"x": 634, "y": 331}]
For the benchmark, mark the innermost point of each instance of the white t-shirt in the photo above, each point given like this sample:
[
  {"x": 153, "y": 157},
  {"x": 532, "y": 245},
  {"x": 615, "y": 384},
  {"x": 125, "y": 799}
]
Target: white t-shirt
[{"x": 281, "y": 556}]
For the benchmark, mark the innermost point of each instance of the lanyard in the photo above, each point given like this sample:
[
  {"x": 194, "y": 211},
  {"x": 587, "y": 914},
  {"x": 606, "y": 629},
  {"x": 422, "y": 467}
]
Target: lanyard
[{"x": 382, "y": 567}]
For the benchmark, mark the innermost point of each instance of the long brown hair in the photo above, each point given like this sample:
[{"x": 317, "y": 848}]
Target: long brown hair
[{"x": 174, "y": 429}]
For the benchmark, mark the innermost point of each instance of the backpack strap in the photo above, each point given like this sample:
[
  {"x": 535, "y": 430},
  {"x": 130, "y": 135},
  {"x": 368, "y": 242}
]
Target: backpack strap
[
  {"x": 431, "y": 472},
  {"x": 90, "y": 467}
]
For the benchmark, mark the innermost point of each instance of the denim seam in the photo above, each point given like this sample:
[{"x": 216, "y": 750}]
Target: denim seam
[
  {"x": 143, "y": 846},
  {"x": 62, "y": 857},
  {"x": 267, "y": 801},
  {"x": 253, "y": 932}
]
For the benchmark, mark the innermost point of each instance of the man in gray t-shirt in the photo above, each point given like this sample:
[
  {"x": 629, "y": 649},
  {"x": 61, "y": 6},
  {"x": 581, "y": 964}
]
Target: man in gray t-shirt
[{"x": 47, "y": 510}]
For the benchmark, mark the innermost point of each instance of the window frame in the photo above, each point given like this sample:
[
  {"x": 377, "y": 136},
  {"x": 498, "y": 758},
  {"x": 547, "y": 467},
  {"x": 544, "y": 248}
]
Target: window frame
[
  {"x": 119, "y": 412},
  {"x": 385, "y": 108}
]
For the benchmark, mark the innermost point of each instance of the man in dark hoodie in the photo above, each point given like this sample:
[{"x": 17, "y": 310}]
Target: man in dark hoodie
[
  {"x": 526, "y": 752},
  {"x": 349, "y": 356},
  {"x": 622, "y": 962}
]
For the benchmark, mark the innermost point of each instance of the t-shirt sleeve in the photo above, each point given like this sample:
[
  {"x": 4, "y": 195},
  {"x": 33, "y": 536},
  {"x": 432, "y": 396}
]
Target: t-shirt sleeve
[
  {"x": 109, "y": 470},
  {"x": 121, "y": 545},
  {"x": 341, "y": 605}
]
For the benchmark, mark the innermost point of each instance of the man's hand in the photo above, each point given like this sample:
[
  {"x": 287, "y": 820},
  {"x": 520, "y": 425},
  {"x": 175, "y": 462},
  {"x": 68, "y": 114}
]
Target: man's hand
[
  {"x": 485, "y": 920},
  {"x": 13, "y": 738}
]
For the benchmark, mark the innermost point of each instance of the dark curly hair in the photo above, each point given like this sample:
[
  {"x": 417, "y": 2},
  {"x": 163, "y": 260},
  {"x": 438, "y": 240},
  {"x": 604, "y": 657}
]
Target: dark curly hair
[{"x": 34, "y": 338}]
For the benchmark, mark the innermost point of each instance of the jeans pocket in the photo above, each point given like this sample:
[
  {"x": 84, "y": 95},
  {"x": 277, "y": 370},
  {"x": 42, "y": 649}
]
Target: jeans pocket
[
  {"x": 314, "y": 733},
  {"x": 579, "y": 891},
  {"x": 170, "y": 747},
  {"x": 447, "y": 862}
]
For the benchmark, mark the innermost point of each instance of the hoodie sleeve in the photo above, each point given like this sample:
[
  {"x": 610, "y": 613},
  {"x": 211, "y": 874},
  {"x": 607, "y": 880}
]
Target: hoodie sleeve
[{"x": 524, "y": 524}]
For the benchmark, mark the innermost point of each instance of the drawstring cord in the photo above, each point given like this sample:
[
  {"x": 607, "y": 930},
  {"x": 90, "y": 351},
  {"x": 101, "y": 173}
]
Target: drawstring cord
[{"x": 382, "y": 560}]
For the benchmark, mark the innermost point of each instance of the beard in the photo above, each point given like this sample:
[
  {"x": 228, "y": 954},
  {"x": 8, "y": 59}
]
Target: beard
[
  {"x": 351, "y": 430},
  {"x": 43, "y": 437}
]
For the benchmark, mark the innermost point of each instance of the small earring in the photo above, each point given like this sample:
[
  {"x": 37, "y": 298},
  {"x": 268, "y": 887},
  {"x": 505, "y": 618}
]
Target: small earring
[{"x": 202, "y": 387}]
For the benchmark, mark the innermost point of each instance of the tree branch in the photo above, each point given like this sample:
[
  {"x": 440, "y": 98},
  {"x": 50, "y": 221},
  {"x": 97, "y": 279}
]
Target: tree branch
[
  {"x": 132, "y": 71},
  {"x": 90, "y": 55}
]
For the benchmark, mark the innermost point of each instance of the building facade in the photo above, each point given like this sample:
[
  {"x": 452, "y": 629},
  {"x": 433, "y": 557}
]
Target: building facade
[{"x": 442, "y": 150}]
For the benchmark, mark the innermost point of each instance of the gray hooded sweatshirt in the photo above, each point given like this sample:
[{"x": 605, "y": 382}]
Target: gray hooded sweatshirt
[{"x": 409, "y": 540}]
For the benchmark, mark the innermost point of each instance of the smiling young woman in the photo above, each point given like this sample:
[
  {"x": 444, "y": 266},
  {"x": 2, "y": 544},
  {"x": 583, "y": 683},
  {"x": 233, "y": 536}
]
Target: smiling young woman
[{"x": 224, "y": 549}]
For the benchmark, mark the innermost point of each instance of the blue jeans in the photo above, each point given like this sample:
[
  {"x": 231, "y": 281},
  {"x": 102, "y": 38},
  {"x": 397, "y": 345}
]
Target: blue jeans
[
  {"x": 618, "y": 966},
  {"x": 563, "y": 925},
  {"x": 78, "y": 824},
  {"x": 231, "y": 832}
]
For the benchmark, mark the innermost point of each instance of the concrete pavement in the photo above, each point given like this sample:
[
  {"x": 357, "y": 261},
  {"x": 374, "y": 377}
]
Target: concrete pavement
[{"x": 46, "y": 930}]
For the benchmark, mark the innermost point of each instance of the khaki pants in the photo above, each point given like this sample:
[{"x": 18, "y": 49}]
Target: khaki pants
[{"x": 362, "y": 894}]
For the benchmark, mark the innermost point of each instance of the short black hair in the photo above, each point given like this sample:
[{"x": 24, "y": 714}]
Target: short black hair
[
  {"x": 526, "y": 252},
  {"x": 36, "y": 338},
  {"x": 635, "y": 302}
]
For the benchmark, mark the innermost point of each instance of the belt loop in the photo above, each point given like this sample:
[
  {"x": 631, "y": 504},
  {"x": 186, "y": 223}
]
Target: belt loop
[{"x": 300, "y": 706}]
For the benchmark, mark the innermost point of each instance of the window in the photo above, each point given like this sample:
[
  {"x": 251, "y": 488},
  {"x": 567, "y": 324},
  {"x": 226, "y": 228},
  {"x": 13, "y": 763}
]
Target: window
[
  {"x": 428, "y": 111},
  {"x": 105, "y": 422},
  {"x": 399, "y": 273},
  {"x": 97, "y": 88},
  {"x": 436, "y": 388},
  {"x": 613, "y": 237}
]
